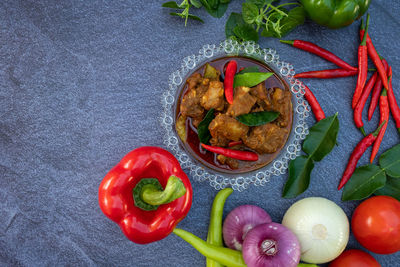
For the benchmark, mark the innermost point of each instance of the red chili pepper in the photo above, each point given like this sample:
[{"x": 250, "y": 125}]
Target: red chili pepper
[
  {"x": 357, "y": 114},
  {"x": 394, "y": 107},
  {"x": 356, "y": 155},
  {"x": 232, "y": 153},
  {"x": 373, "y": 54},
  {"x": 384, "y": 109},
  {"x": 319, "y": 51},
  {"x": 235, "y": 143},
  {"x": 229, "y": 78},
  {"x": 327, "y": 74},
  {"x": 127, "y": 186},
  {"x": 362, "y": 67},
  {"x": 376, "y": 93},
  {"x": 315, "y": 106}
]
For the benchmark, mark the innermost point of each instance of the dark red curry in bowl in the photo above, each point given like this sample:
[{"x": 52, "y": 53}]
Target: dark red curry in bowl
[{"x": 204, "y": 91}]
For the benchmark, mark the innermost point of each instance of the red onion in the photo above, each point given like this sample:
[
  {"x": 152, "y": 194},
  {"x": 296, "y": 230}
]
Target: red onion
[
  {"x": 271, "y": 244},
  {"x": 241, "y": 220}
]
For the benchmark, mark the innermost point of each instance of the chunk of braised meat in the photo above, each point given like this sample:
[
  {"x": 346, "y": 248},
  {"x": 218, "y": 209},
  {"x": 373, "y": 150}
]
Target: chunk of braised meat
[
  {"x": 259, "y": 91},
  {"x": 190, "y": 104},
  {"x": 267, "y": 138},
  {"x": 232, "y": 163},
  {"x": 214, "y": 96},
  {"x": 280, "y": 101},
  {"x": 224, "y": 128},
  {"x": 242, "y": 102}
]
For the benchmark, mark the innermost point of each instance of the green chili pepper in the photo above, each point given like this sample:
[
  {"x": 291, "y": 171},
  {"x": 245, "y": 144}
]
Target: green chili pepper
[
  {"x": 258, "y": 118},
  {"x": 250, "y": 79},
  {"x": 333, "y": 13},
  {"x": 225, "y": 256},
  {"x": 215, "y": 228}
]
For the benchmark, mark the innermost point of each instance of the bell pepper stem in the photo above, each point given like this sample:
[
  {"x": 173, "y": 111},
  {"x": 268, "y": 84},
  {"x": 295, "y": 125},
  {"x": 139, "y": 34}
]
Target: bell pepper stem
[
  {"x": 225, "y": 256},
  {"x": 173, "y": 190},
  {"x": 148, "y": 193}
]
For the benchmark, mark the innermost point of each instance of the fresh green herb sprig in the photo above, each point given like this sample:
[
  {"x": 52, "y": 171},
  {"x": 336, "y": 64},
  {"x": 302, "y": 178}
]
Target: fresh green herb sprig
[
  {"x": 184, "y": 6},
  {"x": 319, "y": 143},
  {"x": 273, "y": 21},
  {"x": 215, "y": 8},
  {"x": 372, "y": 179}
]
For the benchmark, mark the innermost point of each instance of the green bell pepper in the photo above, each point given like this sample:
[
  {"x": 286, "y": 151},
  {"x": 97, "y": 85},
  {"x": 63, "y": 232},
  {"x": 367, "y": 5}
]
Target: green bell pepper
[{"x": 335, "y": 13}]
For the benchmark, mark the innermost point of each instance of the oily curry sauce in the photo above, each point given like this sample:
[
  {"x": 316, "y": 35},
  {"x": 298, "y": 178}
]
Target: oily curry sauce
[{"x": 209, "y": 159}]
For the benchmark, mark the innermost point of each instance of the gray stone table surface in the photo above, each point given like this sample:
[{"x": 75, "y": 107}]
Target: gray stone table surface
[{"x": 80, "y": 86}]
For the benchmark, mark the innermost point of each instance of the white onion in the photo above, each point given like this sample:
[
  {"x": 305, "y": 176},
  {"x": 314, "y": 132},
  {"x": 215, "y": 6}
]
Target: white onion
[{"x": 321, "y": 227}]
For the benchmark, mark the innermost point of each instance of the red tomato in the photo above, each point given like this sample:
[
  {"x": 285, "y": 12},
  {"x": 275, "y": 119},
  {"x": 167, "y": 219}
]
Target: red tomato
[
  {"x": 376, "y": 224},
  {"x": 354, "y": 258}
]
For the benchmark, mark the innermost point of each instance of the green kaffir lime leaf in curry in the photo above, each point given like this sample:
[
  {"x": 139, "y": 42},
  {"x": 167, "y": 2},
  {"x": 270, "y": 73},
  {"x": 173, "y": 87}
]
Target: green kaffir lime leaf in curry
[
  {"x": 249, "y": 69},
  {"x": 258, "y": 118},
  {"x": 250, "y": 79},
  {"x": 202, "y": 129}
]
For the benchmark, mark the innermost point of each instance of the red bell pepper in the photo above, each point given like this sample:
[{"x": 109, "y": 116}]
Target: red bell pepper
[{"x": 147, "y": 194}]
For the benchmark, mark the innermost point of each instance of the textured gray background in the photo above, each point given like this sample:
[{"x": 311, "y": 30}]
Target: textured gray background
[{"x": 80, "y": 86}]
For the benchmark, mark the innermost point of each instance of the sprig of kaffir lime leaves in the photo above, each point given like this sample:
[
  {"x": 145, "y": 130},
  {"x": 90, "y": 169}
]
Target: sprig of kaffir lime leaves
[{"x": 257, "y": 15}]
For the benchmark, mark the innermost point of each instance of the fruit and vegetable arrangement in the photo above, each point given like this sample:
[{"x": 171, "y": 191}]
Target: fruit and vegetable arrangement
[{"x": 147, "y": 194}]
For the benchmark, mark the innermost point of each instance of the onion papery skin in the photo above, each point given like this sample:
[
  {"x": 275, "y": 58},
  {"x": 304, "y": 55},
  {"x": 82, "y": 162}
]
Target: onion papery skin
[
  {"x": 321, "y": 227},
  {"x": 287, "y": 253},
  {"x": 240, "y": 221}
]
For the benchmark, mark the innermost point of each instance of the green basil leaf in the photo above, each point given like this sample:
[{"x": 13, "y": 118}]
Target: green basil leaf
[
  {"x": 249, "y": 12},
  {"x": 390, "y": 161},
  {"x": 299, "y": 176},
  {"x": 391, "y": 188},
  {"x": 269, "y": 33},
  {"x": 219, "y": 11},
  {"x": 196, "y": 3},
  {"x": 260, "y": 3},
  {"x": 322, "y": 138},
  {"x": 246, "y": 32},
  {"x": 171, "y": 4},
  {"x": 364, "y": 181},
  {"x": 258, "y": 118},
  {"x": 234, "y": 20},
  {"x": 296, "y": 17},
  {"x": 249, "y": 69},
  {"x": 202, "y": 129},
  {"x": 250, "y": 79},
  {"x": 213, "y": 3},
  {"x": 205, "y": 4},
  {"x": 193, "y": 17}
]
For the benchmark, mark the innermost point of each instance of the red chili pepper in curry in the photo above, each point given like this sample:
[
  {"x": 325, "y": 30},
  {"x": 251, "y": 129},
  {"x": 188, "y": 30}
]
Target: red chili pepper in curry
[
  {"x": 147, "y": 194},
  {"x": 229, "y": 78}
]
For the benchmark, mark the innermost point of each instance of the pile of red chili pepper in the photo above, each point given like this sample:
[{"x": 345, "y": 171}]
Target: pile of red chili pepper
[{"x": 379, "y": 84}]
